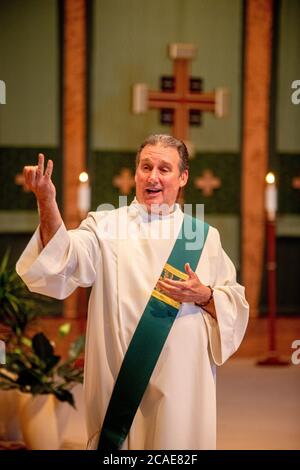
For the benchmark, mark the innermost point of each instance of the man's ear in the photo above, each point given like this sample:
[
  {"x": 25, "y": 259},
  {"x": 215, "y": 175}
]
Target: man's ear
[{"x": 184, "y": 178}]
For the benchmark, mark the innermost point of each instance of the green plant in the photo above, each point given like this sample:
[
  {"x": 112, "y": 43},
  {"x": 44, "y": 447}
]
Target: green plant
[
  {"x": 31, "y": 363},
  {"x": 33, "y": 367},
  {"x": 17, "y": 307}
]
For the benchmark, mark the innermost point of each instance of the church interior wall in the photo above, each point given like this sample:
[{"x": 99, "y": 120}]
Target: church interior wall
[
  {"x": 287, "y": 160},
  {"x": 30, "y": 118},
  {"x": 144, "y": 30},
  {"x": 288, "y": 115},
  {"x": 29, "y": 66},
  {"x": 131, "y": 47}
]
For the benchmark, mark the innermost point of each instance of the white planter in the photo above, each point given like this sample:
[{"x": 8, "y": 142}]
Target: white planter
[
  {"x": 9, "y": 419},
  {"x": 43, "y": 419}
]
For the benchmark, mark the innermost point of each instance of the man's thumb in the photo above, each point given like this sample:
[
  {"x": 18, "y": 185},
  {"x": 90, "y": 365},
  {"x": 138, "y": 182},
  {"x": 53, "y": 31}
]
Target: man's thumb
[{"x": 189, "y": 270}]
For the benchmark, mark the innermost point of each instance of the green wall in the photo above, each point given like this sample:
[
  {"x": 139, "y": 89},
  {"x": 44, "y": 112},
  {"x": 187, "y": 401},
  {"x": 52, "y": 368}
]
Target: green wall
[
  {"x": 30, "y": 119},
  {"x": 129, "y": 45},
  {"x": 288, "y": 114},
  {"x": 29, "y": 63},
  {"x": 130, "y": 41}
]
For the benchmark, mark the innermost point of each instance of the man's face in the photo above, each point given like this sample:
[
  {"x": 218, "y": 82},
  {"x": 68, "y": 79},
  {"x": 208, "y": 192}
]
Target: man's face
[{"x": 157, "y": 176}]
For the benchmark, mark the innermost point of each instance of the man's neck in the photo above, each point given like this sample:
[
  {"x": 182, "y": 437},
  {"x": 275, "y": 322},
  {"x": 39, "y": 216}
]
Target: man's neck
[{"x": 158, "y": 209}]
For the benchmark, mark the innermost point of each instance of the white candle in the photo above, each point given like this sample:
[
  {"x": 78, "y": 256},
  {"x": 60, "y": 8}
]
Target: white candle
[
  {"x": 84, "y": 194},
  {"x": 271, "y": 196}
]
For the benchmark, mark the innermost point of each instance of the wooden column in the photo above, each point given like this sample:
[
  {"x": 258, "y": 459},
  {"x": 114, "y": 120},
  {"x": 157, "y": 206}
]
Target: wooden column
[
  {"x": 257, "y": 79},
  {"x": 74, "y": 118}
]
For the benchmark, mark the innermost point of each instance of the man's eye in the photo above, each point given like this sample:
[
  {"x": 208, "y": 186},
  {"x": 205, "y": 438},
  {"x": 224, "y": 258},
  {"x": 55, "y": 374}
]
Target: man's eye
[{"x": 164, "y": 170}]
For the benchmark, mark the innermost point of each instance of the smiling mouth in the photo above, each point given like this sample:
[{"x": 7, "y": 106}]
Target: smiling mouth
[{"x": 153, "y": 190}]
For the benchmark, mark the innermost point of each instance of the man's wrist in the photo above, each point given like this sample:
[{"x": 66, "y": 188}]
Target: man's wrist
[{"x": 203, "y": 304}]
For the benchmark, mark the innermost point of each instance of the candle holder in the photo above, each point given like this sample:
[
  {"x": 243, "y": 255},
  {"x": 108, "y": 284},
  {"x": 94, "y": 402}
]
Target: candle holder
[
  {"x": 83, "y": 195},
  {"x": 272, "y": 358},
  {"x": 83, "y": 205}
]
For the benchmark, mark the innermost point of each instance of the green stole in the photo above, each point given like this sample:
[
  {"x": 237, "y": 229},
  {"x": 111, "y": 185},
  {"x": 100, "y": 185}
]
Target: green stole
[{"x": 148, "y": 341}]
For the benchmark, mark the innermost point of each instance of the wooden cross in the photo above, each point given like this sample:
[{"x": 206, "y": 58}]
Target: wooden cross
[
  {"x": 20, "y": 181},
  {"x": 182, "y": 100},
  {"x": 207, "y": 183},
  {"x": 124, "y": 181}
]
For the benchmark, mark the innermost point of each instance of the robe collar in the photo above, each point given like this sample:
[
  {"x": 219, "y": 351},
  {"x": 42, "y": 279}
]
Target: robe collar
[{"x": 138, "y": 210}]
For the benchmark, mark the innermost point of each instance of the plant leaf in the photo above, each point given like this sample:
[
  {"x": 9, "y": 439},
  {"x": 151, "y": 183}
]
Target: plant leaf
[
  {"x": 26, "y": 341},
  {"x": 4, "y": 261},
  {"x": 51, "y": 362},
  {"x": 65, "y": 395},
  {"x": 42, "y": 346},
  {"x": 77, "y": 347},
  {"x": 64, "y": 329}
]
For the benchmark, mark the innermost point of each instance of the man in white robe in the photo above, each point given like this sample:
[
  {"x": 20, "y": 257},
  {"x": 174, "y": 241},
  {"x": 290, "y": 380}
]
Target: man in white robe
[{"x": 178, "y": 409}]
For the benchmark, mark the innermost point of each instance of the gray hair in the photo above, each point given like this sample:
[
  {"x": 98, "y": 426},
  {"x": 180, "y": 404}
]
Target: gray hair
[{"x": 167, "y": 141}]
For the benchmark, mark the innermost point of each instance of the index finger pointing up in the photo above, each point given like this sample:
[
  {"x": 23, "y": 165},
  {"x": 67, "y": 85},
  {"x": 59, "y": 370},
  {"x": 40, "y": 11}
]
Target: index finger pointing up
[{"x": 41, "y": 163}]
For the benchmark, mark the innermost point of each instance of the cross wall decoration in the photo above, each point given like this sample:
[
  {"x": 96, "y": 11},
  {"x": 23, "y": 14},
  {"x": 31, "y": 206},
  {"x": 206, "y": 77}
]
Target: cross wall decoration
[{"x": 184, "y": 97}]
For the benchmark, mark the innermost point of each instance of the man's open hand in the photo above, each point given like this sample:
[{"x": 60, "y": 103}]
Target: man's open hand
[
  {"x": 39, "y": 182},
  {"x": 191, "y": 290}
]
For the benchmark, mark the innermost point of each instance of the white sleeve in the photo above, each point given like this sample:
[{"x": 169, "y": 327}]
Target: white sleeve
[
  {"x": 67, "y": 261},
  {"x": 225, "y": 334}
]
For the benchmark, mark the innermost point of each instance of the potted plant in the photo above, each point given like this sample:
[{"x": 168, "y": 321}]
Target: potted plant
[{"x": 32, "y": 366}]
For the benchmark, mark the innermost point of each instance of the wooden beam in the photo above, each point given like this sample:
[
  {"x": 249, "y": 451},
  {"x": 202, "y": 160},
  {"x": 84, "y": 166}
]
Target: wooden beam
[
  {"x": 255, "y": 150},
  {"x": 74, "y": 117}
]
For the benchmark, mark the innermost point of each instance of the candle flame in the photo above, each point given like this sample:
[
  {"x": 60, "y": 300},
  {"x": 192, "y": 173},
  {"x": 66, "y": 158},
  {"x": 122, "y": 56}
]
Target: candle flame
[
  {"x": 270, "y": 178},
  {"x": 83, "y": 177}
]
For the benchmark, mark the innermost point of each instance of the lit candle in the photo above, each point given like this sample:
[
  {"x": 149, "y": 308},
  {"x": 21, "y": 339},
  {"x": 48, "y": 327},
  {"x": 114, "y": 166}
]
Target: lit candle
[
  {"x": 84, "y": 194},
  {"x": 271, "y": 196}
]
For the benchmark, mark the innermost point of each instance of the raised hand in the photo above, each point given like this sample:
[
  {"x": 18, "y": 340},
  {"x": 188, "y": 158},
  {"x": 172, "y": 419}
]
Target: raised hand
[{"x": 39, "y": 182}]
